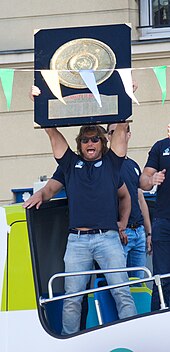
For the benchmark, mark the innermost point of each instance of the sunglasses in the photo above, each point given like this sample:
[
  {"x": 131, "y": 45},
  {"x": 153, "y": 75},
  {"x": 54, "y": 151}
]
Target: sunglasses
[{"x": 94, "y": 139}]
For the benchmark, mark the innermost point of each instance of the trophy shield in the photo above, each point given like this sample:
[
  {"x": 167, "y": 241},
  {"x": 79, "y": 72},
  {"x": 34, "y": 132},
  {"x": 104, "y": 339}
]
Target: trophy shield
[
  {"x": 83, "y": 54},
  {"x": 99, "y": 50}
]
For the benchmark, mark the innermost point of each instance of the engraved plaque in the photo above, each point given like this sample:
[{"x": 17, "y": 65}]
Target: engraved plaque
[{"x": 83, "y": 105}]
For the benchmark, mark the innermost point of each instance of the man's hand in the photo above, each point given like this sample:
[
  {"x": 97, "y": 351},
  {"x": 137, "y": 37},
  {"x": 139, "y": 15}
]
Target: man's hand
[
  {"x": 122, "y": 234},
  {"x": 151, "y": 177},
  {"x": 149, "y": 244},
  {"x": 135, "y": 86},
  {"x": 35, "y": 200},
  {"x": 123, "y": 237},
  {"x": 169, "y": 130},
  {"x": 158, "y": 177},
  {"x": 35, "y": 92}
]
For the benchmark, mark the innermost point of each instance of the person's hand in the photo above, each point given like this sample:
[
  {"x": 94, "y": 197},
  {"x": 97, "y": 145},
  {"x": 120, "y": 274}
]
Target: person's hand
[
  {"x": 169, "y": 130},
  {"x": 34, "y": 200},
  {"x": 123, "y": 237},
  {"x": 135, "y": 86},
  {"x": 158, "y": 177},
  {"x": 34, "y": 92},
  {"x": 122, "y": 234},
  {"x": 149, "y": 244}
]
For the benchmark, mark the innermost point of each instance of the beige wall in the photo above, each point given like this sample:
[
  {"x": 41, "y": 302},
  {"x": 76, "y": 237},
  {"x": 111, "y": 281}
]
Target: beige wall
[
  {"x": 25, "y": 152},
  {"x": 151, "y": 117},
  {"x": 17, "y": 22}
]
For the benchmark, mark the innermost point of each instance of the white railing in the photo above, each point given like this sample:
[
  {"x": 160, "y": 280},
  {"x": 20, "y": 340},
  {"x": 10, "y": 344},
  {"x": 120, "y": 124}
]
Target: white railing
[{"x": 92, "y": 290}]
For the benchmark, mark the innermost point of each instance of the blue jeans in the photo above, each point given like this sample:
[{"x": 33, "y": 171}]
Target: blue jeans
[
  {"x": 81, "y": 251},
  {"x": 135, "y": 250},
  {"x": 161, "y": 259}
]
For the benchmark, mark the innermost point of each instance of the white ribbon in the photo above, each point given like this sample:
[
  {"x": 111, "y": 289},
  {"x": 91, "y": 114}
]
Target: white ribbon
[
  {"x": 52, "y": 80},
  {"x": 126, "y": 77},
  {"x": 90, "y": 81}
]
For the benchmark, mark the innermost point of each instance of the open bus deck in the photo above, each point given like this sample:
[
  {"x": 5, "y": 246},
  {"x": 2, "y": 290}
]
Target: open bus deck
[{"x": 31, "y": 279}]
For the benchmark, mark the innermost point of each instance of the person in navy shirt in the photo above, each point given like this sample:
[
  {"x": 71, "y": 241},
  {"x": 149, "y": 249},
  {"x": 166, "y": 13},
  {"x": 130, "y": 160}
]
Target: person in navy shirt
[
  {"x": 52, "y": 187},
  {"x": 157, "y": 172},
  {"x": 139, "y": 220},
  {"x": 93, "y": 216},
  {"x": 92, "y": 178}
]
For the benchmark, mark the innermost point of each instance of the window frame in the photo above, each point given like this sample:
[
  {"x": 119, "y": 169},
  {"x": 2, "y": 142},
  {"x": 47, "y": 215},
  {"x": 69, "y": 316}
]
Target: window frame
[{"x": 146, "y": 29}]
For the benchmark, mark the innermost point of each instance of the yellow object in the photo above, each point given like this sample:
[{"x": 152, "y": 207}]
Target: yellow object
[{"x": 18, "y": 287}]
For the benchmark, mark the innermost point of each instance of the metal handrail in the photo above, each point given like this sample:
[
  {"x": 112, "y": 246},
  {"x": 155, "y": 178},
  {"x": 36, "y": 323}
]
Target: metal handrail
[{"x": 90, "y": 272}]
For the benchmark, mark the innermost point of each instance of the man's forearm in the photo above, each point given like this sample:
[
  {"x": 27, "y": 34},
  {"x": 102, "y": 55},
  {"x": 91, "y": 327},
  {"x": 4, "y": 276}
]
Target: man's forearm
[
  {"x": 146, "y": 182},
  {"x": 145, "y": 211},
  {"x": 50, "y": 189},
  {"x": 124, "y": 210},
  {"x": 151, "y": 177},
  {"x": 58, "y": 143},
  {"x": 118, "y": 141},
  {"x": 46, "y": 195}
]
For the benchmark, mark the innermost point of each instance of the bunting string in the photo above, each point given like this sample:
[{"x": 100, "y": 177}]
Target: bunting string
[
  {"x": 96, "y": 70},
  {"x": 52, "y": 79}
]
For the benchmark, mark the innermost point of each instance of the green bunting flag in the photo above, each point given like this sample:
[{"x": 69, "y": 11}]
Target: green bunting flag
[
  {"x": 160, "y": 72},
  {"x": 7, "y": 76}
]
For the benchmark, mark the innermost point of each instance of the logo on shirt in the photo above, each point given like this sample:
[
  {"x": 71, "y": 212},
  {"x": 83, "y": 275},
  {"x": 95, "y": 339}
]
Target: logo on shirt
[
  {"x": 79, "y": 164},
  {"x": 136, "y": 170},
  {"x": 166, "y": 151},
  {"x": 98, "y": 164}
]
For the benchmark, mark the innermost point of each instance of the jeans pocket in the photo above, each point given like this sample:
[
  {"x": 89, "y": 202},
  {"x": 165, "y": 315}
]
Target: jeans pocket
[
  {"x": 72, "y": 237},
  {"x": 110, "y": 234}
]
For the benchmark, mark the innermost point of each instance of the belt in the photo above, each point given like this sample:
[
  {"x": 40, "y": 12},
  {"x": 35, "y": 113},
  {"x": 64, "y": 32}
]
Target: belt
[
  {"x": 134, "y": 226},
  {"x": 88, "y": 232}
]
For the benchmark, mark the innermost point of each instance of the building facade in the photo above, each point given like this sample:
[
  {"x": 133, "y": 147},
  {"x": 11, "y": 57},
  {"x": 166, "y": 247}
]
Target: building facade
[{"x": 25, "y": 151}]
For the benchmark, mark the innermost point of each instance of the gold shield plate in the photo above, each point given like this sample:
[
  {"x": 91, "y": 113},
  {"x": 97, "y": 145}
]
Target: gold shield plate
[{"x": 83, "y": 54}]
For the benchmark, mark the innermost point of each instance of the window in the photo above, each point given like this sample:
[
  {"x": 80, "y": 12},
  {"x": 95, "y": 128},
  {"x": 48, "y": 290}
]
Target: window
[{"x": 154, "y": 19}]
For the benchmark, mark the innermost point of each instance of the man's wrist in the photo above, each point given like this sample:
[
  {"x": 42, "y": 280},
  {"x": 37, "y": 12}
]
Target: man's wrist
[
  {"x": 148, "y": 234},
  {"x": 151, "y": 181}
]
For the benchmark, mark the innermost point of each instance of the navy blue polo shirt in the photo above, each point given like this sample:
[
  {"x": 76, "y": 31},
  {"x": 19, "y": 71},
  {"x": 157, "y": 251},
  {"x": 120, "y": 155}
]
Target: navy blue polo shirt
[
  {"x": 92, "y": 189},
  {"x": 159, "y": 159},
  {"x": 130, "y": 173},
  {"x": 58, "y": 175}
]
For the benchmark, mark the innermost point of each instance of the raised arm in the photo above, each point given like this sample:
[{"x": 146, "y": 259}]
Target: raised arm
[
  {"x": 58, "y": 142},
  {"x": 119, "y": 140}
]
